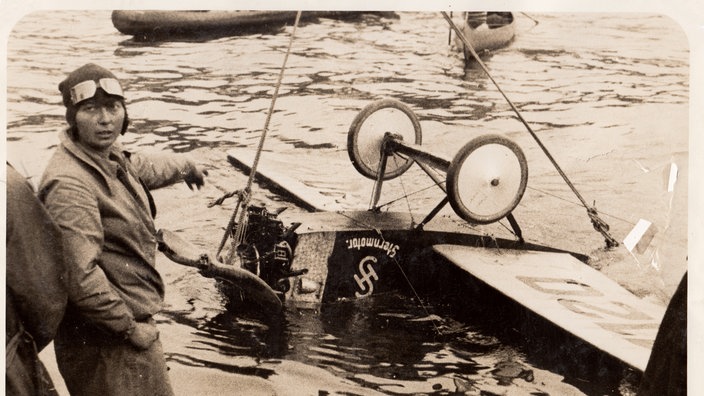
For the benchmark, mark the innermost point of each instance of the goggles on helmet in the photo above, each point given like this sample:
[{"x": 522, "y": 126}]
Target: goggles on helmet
[{"x": 87, "y": 89}]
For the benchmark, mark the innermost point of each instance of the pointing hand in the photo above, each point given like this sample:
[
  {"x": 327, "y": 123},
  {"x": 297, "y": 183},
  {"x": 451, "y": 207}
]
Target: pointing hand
[{"x": 196, "y": 177}]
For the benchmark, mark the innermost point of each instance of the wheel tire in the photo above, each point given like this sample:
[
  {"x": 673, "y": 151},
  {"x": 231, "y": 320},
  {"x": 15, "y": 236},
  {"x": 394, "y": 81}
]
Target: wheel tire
[
  {"x": 489, "y": 186},
  {"x": 365, "y": 158}
]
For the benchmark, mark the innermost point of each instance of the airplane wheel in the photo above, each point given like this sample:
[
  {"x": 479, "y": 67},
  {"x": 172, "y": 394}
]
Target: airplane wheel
[
  {"x": 486, "y": 179},
  {"x": 366, "y": 134}
]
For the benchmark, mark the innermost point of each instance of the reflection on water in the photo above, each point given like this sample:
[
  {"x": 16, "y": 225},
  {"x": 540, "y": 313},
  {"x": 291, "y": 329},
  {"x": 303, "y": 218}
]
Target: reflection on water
[
  {"x": 381, "y": 340},
  {"x": 395, "y": 344},
  {"x": 611, "y": 108}
]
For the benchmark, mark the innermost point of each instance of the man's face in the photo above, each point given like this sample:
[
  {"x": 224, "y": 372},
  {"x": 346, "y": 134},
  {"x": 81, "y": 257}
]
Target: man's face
[{"x": 99, "y": 121}]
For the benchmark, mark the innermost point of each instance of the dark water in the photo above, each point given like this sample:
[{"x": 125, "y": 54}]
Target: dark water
[{"x": 612, "y": 110}]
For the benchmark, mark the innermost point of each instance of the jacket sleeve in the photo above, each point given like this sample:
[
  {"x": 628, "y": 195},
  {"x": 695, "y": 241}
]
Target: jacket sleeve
[
  {"x": 161, "y": 169},
  {"x": 75, "y": 210},
  {"x": 36, "y": 274}
]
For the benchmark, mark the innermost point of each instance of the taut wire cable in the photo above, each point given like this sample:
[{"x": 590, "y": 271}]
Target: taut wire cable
[{"x": 600, "y": 225}]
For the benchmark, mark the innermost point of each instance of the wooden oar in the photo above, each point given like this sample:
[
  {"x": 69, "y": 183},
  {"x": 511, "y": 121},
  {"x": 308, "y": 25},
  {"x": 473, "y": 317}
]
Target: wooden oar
[{"x": 182, "y": 252}]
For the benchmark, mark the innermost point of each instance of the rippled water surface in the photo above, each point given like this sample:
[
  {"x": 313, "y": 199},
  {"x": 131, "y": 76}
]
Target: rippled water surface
[{"x": 606, "y": 93}]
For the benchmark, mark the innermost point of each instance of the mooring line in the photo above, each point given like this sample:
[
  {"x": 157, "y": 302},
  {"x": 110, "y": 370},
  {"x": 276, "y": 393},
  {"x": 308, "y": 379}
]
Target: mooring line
[
  {"x": 246, "y": 192},
  {"x": 598, "y": 223}
]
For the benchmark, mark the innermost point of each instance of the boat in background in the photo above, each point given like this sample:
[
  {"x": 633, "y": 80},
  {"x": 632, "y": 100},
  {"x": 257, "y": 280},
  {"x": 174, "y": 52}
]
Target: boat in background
[
  {"x": 485, "y": 31},
  {"x": 163, "y": 23}
]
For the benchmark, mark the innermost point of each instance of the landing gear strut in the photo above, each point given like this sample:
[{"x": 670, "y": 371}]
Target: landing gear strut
[{"x": 485, "y": 180}]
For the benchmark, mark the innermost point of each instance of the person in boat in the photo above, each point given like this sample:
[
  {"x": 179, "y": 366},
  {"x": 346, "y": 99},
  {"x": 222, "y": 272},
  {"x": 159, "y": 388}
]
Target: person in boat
[
  {"x": 99, "y": 195},
  {"x": 36, "y": 291},
  {"x": 474, "y": 19},
  {"x": 493, "y": 19}
]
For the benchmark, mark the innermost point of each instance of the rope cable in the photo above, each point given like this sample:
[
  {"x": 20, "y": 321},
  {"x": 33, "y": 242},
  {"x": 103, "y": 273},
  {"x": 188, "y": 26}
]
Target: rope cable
[
  {"x": 246, "y": 192},
  {"x": 598, "y": 224}
]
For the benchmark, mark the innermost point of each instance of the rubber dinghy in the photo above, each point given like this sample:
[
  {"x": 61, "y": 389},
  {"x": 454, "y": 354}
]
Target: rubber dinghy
[{"x": 331, "y": 255}]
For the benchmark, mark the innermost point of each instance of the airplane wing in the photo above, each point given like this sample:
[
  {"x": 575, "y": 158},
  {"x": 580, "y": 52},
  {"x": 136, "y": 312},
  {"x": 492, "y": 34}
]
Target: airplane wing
[{"x": 568, "y": 293}]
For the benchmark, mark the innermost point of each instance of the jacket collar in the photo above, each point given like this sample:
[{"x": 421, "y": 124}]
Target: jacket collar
[{"x": 100, "y": 163}]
